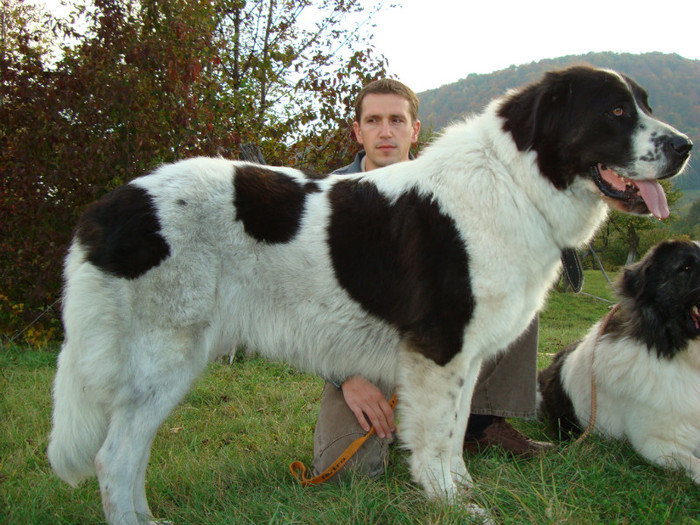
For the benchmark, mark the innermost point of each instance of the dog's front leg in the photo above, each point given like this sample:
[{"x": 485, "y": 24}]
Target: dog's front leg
[
  {"x": 668, "y": 453},
  {"x": 434, "y": 406},
  {"x": 470, "y": 370},
  {"x": 690, "y": 464}
]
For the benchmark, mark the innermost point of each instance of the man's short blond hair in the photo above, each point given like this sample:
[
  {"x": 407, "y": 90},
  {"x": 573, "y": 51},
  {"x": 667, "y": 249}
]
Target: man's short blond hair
[{"x": 388, "y": 86}]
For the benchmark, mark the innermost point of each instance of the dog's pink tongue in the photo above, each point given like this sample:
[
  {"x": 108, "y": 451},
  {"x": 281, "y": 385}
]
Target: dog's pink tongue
[
  {"x": 654, "y": 197},
  {"x": 650, "y": 190}
]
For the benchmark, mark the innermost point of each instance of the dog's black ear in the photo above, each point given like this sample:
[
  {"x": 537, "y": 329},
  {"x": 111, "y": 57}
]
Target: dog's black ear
[
  {"x": 631, "y": 283},
  {"x": 549, "y": 111},
  {"x": 530, "y": 113},
  {"x": 535, "y": 116}
]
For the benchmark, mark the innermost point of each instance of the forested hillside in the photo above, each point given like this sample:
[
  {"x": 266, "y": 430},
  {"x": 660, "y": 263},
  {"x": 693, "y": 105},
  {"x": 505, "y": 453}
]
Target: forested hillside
[{"x": 673, "y": 84}]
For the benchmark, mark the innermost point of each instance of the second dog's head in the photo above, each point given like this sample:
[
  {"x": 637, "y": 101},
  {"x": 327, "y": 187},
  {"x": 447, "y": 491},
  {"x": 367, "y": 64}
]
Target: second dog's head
[{"x": 660, "y": 297}]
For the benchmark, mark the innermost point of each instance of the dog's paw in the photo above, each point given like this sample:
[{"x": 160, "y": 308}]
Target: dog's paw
[
  {"x": 481, "y": 514},
  {"x": 460, "y": 475}
]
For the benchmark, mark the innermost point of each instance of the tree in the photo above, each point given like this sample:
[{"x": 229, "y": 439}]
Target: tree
[
  {"x": 154, "y": 81},
  {"x": 23, "y": 135},
  {"x": 290, "y": 77},
  {"x": 624, "y": 238},
  {"x": 632, "y": 224},
  {"x": 690, "y": 224}
]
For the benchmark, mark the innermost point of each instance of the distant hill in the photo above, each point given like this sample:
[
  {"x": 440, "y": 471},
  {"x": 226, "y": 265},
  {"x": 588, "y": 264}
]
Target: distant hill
[{"x": 673, "y": 83}]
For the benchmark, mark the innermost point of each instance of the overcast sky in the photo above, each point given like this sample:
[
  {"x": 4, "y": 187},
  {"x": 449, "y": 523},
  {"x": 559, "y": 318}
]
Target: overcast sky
[
  {"x": 430, "y": 43},
  {"x": 433, "y": 42}
]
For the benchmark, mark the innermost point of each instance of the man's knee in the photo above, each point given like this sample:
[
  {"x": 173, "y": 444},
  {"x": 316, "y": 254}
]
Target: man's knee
[
  {"x": 336, "y": 429},
  {"x": 370, "y": 460}
]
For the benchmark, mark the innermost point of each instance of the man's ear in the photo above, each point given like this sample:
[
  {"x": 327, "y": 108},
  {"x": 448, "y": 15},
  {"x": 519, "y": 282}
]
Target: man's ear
[
  {"x": 416, "y": 131},
  {"x": 356, "y": 129}
]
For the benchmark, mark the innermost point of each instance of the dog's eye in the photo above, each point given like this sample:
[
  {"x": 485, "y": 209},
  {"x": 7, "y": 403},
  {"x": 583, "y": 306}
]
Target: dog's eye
[
  {"x": 618, "y": 111},
  {"x": 685, "y": 267}
]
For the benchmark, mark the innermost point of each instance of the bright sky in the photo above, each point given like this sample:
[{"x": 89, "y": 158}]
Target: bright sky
[{"x": 430, "y": 43}]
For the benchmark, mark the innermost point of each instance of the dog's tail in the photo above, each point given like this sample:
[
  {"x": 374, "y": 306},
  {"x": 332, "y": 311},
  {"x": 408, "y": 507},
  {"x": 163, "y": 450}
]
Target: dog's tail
[
  {"x": 82, "y": 388},
  {"x": 79, "y": 426}
]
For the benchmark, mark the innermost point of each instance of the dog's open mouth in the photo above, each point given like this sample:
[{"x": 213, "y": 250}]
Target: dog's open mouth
[
  {"x": 695, "y": 317},
  {"x": 637, "y": 196}
]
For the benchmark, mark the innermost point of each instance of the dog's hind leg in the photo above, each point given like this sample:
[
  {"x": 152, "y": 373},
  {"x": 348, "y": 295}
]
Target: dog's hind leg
[
  {"x": 140, "y": 500},
  {"x": 135, "y": 418},
  {"x": 432, "y": 401}
]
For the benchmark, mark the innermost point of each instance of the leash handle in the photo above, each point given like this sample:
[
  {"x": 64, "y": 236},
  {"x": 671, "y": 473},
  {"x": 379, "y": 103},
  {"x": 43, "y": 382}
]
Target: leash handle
[{"x": 298, "y": 469}]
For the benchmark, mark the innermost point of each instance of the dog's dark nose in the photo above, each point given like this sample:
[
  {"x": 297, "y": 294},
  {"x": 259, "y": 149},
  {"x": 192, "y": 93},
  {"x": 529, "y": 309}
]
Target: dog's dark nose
[
  {"x": 681, "y": 145},
  {"x": 677, "y": 150}
]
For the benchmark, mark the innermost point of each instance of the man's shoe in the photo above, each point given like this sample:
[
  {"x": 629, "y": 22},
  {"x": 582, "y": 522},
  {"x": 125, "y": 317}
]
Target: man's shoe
[{"x": 501, "y": 434}]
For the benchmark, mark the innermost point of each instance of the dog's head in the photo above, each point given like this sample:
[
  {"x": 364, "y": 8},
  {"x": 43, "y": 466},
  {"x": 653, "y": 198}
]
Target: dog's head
[
  {"x": 597, "y": 124},
  {"x": 660, "y": 296}
]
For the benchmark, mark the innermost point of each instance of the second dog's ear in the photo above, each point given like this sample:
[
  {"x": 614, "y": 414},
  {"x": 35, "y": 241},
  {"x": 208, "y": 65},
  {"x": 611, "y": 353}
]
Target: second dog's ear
[{"x": 631, "y": 282}]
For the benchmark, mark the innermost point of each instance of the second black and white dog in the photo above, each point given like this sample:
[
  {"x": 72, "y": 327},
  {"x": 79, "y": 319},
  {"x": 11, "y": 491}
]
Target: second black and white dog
[
  {"x": 646, "y": 363},
  {"x": 411, "y": 274}
]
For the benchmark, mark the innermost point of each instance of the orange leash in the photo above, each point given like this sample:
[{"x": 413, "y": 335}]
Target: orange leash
[{"x": 298, "y": 469}]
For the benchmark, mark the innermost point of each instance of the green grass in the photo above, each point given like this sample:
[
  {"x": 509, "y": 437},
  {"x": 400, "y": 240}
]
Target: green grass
[
  {"x": 222, "y": 457},
  {"x": 567, "y": 316}
]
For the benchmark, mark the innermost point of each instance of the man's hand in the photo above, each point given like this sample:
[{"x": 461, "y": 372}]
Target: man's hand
[{"x": 367, "y": 401}]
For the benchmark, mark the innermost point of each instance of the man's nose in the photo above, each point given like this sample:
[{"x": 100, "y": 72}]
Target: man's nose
[{"x": 385, "y": 129}]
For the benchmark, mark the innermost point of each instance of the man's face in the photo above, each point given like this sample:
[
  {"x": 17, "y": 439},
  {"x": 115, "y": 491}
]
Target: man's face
[{"x": 385, "y": 130}]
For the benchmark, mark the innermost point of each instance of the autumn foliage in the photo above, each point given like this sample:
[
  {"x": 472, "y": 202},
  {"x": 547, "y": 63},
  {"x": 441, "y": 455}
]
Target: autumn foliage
[{"x": 88, "y": 103}]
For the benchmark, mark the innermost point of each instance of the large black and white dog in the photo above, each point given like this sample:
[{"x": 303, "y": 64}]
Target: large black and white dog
[
  {"x": 646, "y": 363},
  {"x": 411, "y": 274}
]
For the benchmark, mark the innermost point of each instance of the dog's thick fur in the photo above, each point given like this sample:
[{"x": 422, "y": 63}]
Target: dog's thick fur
[
  {"x": 408, "y": 275},
  {"x": 646, "y": 362}
]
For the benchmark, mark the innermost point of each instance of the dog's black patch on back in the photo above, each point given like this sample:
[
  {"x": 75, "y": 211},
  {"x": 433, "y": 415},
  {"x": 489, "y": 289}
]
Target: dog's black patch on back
[
  {"x": 121, "y": 233},
  {"x": 405, "y": 263},
  {"x": 657, "y": 295},
  {"x": 268, "y": 203},
  {"x": 556, "y": 403},
  {"x": 567, "y": 119},
  {"x": 313, "y": 175}
]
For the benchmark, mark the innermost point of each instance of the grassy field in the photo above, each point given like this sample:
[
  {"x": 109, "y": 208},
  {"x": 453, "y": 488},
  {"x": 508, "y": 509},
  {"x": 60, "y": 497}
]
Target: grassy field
[{"x": 222, "y": 457}]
